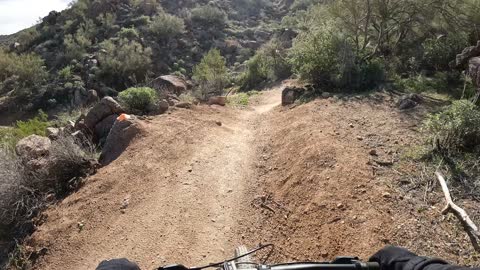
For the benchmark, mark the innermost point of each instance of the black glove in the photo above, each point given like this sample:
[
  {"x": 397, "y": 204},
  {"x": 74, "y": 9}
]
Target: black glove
[
  {"x": 117, "y": 264},
  {"x": 395, "y": 258}
]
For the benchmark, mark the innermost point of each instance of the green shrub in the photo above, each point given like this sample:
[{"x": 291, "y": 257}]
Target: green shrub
[
  {"x": 125, "y": 62},
  {"x": 456, "y": 128},
  {"x": 240, "y": 99},
  {"x": 165, "y": 26},
  {"x": 141, "y": 98},
  {"x": 76, "y": 45},
  {"x": 314, "y": 55},
  {"x": 211, "y": 74},
  {"x": 65, "y": 73},
  {"x": 269, "y": 64},
  {"x": 129, "y": 33},
  {"x": 10, "y": 136},
  {"x": 35, "y": 126},
  {"x": 29, "y": 68},
  {"x": 439, "y": 52},
  {"x": 208, "y": 16}
]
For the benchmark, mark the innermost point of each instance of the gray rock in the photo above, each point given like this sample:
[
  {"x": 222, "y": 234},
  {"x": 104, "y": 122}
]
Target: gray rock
[
  {"x": 92, "y": 97},
  {"x": 53, "y": 133},
  {"x": 409, "y": 101},
  {"x": 326, "y": 95},
  {"x": 119, "y": 138},
  {"x": 170, "y": 84},
  {"x": 34, "y": 151},
  {"x": 184, "y": 105},
  {"x": 103, "y": 127},
  {"x": 106, "y": 107},
  {"x": 291, "y": 94},
  {"x": 222, "y": 101}
]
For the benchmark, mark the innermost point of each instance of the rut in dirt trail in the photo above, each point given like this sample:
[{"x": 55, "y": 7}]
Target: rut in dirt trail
[{"x": 189, "y": 213}]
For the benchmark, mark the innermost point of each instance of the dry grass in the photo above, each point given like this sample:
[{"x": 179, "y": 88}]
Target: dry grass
[{"x": 24, "y": 193}]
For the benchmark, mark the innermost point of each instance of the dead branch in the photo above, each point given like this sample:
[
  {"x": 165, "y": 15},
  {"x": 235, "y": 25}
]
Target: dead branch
[{"x": 460, "y": 213}]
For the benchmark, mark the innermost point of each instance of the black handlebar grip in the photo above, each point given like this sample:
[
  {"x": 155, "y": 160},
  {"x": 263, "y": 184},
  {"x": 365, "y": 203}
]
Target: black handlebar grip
[{"x": 370, "y": 266}]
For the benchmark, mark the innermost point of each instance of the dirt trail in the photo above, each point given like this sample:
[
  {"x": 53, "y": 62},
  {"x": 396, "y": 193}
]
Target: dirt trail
[
  {"x": 186, "y": 185},
  {"x": 318, "y": 180}
]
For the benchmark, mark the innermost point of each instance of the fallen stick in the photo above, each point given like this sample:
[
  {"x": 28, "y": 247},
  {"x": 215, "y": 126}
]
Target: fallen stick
[{"x": 459, "y": 212}]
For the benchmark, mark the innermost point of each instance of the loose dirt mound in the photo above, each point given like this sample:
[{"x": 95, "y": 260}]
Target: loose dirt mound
[{"x": 328, "y": 184}]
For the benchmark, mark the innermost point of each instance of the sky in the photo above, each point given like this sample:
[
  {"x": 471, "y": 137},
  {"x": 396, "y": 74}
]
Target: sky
[{"x": 16, "y": 15}]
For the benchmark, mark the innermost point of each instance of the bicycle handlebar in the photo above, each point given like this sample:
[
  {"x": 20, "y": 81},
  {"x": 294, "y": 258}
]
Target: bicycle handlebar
[{"x": 341, "y": 263}]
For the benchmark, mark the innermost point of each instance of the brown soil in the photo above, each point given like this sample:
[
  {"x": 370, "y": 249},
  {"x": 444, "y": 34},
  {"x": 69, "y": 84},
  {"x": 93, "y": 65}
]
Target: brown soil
[{"x": 301, "y": 178}]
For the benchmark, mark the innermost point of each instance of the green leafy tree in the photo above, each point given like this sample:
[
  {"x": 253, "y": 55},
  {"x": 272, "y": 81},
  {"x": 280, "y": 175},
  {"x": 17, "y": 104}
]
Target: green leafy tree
[{"x": 211, "y": 74}]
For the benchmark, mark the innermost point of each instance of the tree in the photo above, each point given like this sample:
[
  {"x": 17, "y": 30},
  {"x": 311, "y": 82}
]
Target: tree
[{"x": 211, "y": 74}]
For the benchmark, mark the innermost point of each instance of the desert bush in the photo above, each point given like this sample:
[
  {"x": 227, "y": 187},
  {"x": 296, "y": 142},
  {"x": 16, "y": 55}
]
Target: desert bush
[
  {"x": 10, "y": 136},
  {"x": 211, "y": 74},
  {"x": 240, "y": 99},
  {"x": 29, "y": 68},
  {"x": 165, "y": 26},
  {"x": 35, "y": 126},
  {"x": 267, "y": 65},
  {"x": 208, "y": 16},
  {"x": 125, "y": 62},
  {"x": 76, "y": 46},
  {"x": 71, "y": 159},
  {"x": 314, "y": 55},
  {"x": 23, "y": 192},
  {"x": 65, "y": 73},
  {"x": 456, "y": 128},
  {"x": 128, "y": 33},
  {"x": 439, "y": 52},
  {"x": 141, "y": 98}
]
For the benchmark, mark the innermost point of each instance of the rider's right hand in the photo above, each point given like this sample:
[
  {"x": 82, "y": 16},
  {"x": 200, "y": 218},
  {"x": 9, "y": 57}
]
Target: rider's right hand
[{"x": 395, "y": 258}]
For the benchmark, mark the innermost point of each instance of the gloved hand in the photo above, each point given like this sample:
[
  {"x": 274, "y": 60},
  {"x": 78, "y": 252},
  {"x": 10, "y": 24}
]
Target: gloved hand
[
  {"x": 118, "y": 264},
  {"x": 392, "y": 258},
  {"x": 395, "y": 258}
]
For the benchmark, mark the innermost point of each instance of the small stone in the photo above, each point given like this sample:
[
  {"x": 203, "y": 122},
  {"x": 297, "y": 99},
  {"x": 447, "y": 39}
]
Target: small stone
[
  {"x": 386, "y": 195},
  {"x": 373, "y": 152},
  {"x": 352, "y": 126},
  {"x": 218, "y": 123},
  {"x": 360, "y": 138},
  {"x": 340, "y": 205}
]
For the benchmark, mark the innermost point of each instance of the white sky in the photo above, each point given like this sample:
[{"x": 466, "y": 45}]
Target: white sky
[{"x": 16, "y": 15}]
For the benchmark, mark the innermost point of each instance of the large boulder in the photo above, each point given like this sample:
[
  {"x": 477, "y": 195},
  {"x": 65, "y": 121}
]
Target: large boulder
[
  {"x": 121, "y": 135},
  {"x": 106, "y": 107},
  {"x": 170, "y": 84},
  {"x": 103, "y": 127},
  {"x": 467, "y": 54},
  {"x": 34, "y": 151},
  {"x": 474, "y": 70},
  {"x": 409, "y": 101},
  {"x": 291, "y": 94}
]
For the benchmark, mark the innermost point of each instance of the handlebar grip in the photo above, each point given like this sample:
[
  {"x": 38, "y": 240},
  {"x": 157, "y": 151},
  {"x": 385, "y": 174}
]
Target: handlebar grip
[{"x": 370, "y": 266}]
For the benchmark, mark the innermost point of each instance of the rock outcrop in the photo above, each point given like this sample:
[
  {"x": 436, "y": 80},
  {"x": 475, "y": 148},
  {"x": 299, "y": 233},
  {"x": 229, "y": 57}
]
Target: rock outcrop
[
  {"x": 470, "y": 57},
  {"x": 34, "y": 151},
  {"x": 124, "y": 130},
  {"x": 291, "y": 94},
  {"x": 170, "y": 84}
]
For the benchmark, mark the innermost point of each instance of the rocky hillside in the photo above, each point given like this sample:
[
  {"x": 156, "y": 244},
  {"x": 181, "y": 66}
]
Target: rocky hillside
[{"x": 109, "y": 45}]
